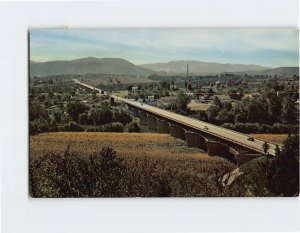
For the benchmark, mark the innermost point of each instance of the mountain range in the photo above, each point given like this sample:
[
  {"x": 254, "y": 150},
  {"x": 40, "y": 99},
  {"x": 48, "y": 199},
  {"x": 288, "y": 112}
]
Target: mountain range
[
  {"x": 91, "y": 65},
  {"x": 200, "y": 68}
]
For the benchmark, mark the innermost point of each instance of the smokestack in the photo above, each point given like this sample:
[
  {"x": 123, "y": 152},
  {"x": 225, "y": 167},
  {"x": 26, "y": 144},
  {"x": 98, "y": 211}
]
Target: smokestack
[{"x": 187, "y": 70}]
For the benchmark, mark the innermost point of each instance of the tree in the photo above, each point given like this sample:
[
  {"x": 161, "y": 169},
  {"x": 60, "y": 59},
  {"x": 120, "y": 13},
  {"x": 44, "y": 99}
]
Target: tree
[
  {"x": 218, "y": 103},
  {"x": 232, "y": 94},
  {"x": 36, "y": 111},
  {"x": 133, "y": 127},
  {"x": 209, "y": 92},
  {"x": 224, "y": 116},
  {"x": 110, "y": 171},
  {"x": 84, "y": 119},
  {"x": 112, "y": 101},
  {"x": 283, "y": 179},
  {"x": 101, "y": 116},
  {"x": 212, "y": 113},
  {"x": 182, "y": 101},
  {"x": 202, "y": 116},
  {"x": 121, "y": 116},
  {"x": 75, "y": 108},
  {"x": 274, "y": 108},
  {"x": 289, "y": 110},
  {"x": 265, "y": 147},
  {"x": 254, "y": 111}
]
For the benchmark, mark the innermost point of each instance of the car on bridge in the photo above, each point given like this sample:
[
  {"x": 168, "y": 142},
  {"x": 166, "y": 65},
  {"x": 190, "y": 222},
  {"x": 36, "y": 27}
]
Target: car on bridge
[{"x": 250, "y": 139}]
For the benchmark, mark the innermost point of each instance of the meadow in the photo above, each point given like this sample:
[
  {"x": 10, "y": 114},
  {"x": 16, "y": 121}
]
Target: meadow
[
  {"x": 89, "y": 164},
  {"x": 274, "y": 138}
]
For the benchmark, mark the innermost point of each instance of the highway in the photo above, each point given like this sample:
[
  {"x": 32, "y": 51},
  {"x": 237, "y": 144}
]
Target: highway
[{"x": 227, "y": 134}]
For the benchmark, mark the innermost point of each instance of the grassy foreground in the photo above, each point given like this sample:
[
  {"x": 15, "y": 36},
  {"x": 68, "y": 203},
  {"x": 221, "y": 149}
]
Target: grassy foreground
[{"x": 121, "y": 165}]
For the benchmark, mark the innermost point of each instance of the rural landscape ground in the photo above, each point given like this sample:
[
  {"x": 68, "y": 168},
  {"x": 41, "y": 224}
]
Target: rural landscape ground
[{"x": 106, "y": 127}]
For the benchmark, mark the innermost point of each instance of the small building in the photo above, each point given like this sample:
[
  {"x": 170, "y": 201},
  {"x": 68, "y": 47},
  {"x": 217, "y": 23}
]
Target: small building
[
  {"x": 173, "y": 86},
  {"x": 190, "y": 94},
  {"x": 134, "y": 89},
  {"x": 150, "y": 97}
]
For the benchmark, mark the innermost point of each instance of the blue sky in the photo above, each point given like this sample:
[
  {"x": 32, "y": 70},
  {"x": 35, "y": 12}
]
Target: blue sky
[{"x": 268, "y": 47}]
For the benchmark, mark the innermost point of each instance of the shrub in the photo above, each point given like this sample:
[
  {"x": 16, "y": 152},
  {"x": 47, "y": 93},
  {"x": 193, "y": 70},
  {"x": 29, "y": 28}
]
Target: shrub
[
  {"x": 73, "y": 127},
  {"x": 113, "y": 127},
  {"x": 95, "y": 129},
  {"x": 133, "y": 127}
]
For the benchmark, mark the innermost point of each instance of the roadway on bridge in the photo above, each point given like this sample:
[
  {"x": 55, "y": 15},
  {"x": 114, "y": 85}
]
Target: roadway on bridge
[{"x": 227, "y": 134}]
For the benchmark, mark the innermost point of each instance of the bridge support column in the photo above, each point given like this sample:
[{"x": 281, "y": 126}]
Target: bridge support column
[
  {"x": 163, "y": 126},
  {"x": 243, "y": 158},
  {"x": 143, "y": 118},
  {"x": 215, "y": 148},
  {"x": 152, "y": 122},
  {"x": 177, "y": 132},
  {"x": 195, "y": 140}
]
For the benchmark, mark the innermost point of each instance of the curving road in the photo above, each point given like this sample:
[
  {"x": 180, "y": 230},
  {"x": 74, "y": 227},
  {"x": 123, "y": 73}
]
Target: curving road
[{"x": 227, "y": 134}]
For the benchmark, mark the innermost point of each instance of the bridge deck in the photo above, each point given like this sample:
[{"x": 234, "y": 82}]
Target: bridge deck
[{"x": 217, "y": 131}]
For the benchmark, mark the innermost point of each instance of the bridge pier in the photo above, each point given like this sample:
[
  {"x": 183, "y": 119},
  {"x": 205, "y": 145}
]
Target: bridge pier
[
  {"x": 163, "y": 126},
  {"x": 195, "y": 140},
  {"x": 143, "y": 118},
  {"x": 152, "y": 122},
  {"x": 243, "y": 158},
  {"x": 215, "y": 148},
  {"x": 177, "y": 132}
]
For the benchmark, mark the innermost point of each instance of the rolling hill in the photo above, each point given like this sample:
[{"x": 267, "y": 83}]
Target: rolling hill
[
  {"x": 200, "y": 68},
  {"x": 280, "y": 71},
  {"x": 89, "y": 65}
]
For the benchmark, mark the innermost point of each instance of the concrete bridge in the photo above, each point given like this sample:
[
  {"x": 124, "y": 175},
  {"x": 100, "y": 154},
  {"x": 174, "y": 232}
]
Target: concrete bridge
[
  {"x": 211, "y": 144},
  {"x": 215, "y": 140}
]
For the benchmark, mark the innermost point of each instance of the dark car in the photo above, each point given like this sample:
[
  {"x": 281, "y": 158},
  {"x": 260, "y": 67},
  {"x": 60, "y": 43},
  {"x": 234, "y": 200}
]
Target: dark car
[{"x": 250, "y": 139}]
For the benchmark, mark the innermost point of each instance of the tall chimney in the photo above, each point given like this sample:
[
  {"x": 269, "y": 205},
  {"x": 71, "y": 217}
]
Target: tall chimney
[{"x": 187, "y": 70}]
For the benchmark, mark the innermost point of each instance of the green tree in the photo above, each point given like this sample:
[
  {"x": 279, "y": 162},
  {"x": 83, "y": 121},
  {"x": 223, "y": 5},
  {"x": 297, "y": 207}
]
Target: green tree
[
  {"x": 101, "y": 116},
  {"x": 75, "y": 108},
  {"x": 224, "y": 116},
  {"x": 265, "y": 147},
  {"x": 209, "y": 92},
  {"x": 120, "y": 115},
  {"x": 212, "y": 113},
  {"x": 274, "y": 109},
  {"x": 283, "y": 179},
  {"x": 182, "y": 101},
  {"x": 218, "y": 103},
  {"x": 289, "y": 110},
  {"x": 133, "y": 127}
]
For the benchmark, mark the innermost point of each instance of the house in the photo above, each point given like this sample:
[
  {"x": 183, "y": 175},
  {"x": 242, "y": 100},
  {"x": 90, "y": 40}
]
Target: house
[
  {"x": 173, "y": 86},
  {"x": 190, "y": 94},
  {"x": 135, "y": 89}
]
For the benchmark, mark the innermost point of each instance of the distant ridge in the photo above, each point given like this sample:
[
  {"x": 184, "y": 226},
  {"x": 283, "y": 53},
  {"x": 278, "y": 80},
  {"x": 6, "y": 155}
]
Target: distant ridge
[
  {"x": 118, "y": 66},
  {"x": 88, "y": 65},
  {"x": 200, "y": 68},
  {"x": 280, "y": 71}
]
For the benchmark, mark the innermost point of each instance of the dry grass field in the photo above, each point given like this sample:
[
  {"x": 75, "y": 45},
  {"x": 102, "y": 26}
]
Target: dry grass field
[
  {"x": 139, "y": 165},
  {"x": 126, "y": 144},
  {"x": 199, "y": 106},
  {"x": 275, "y": 138}
]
